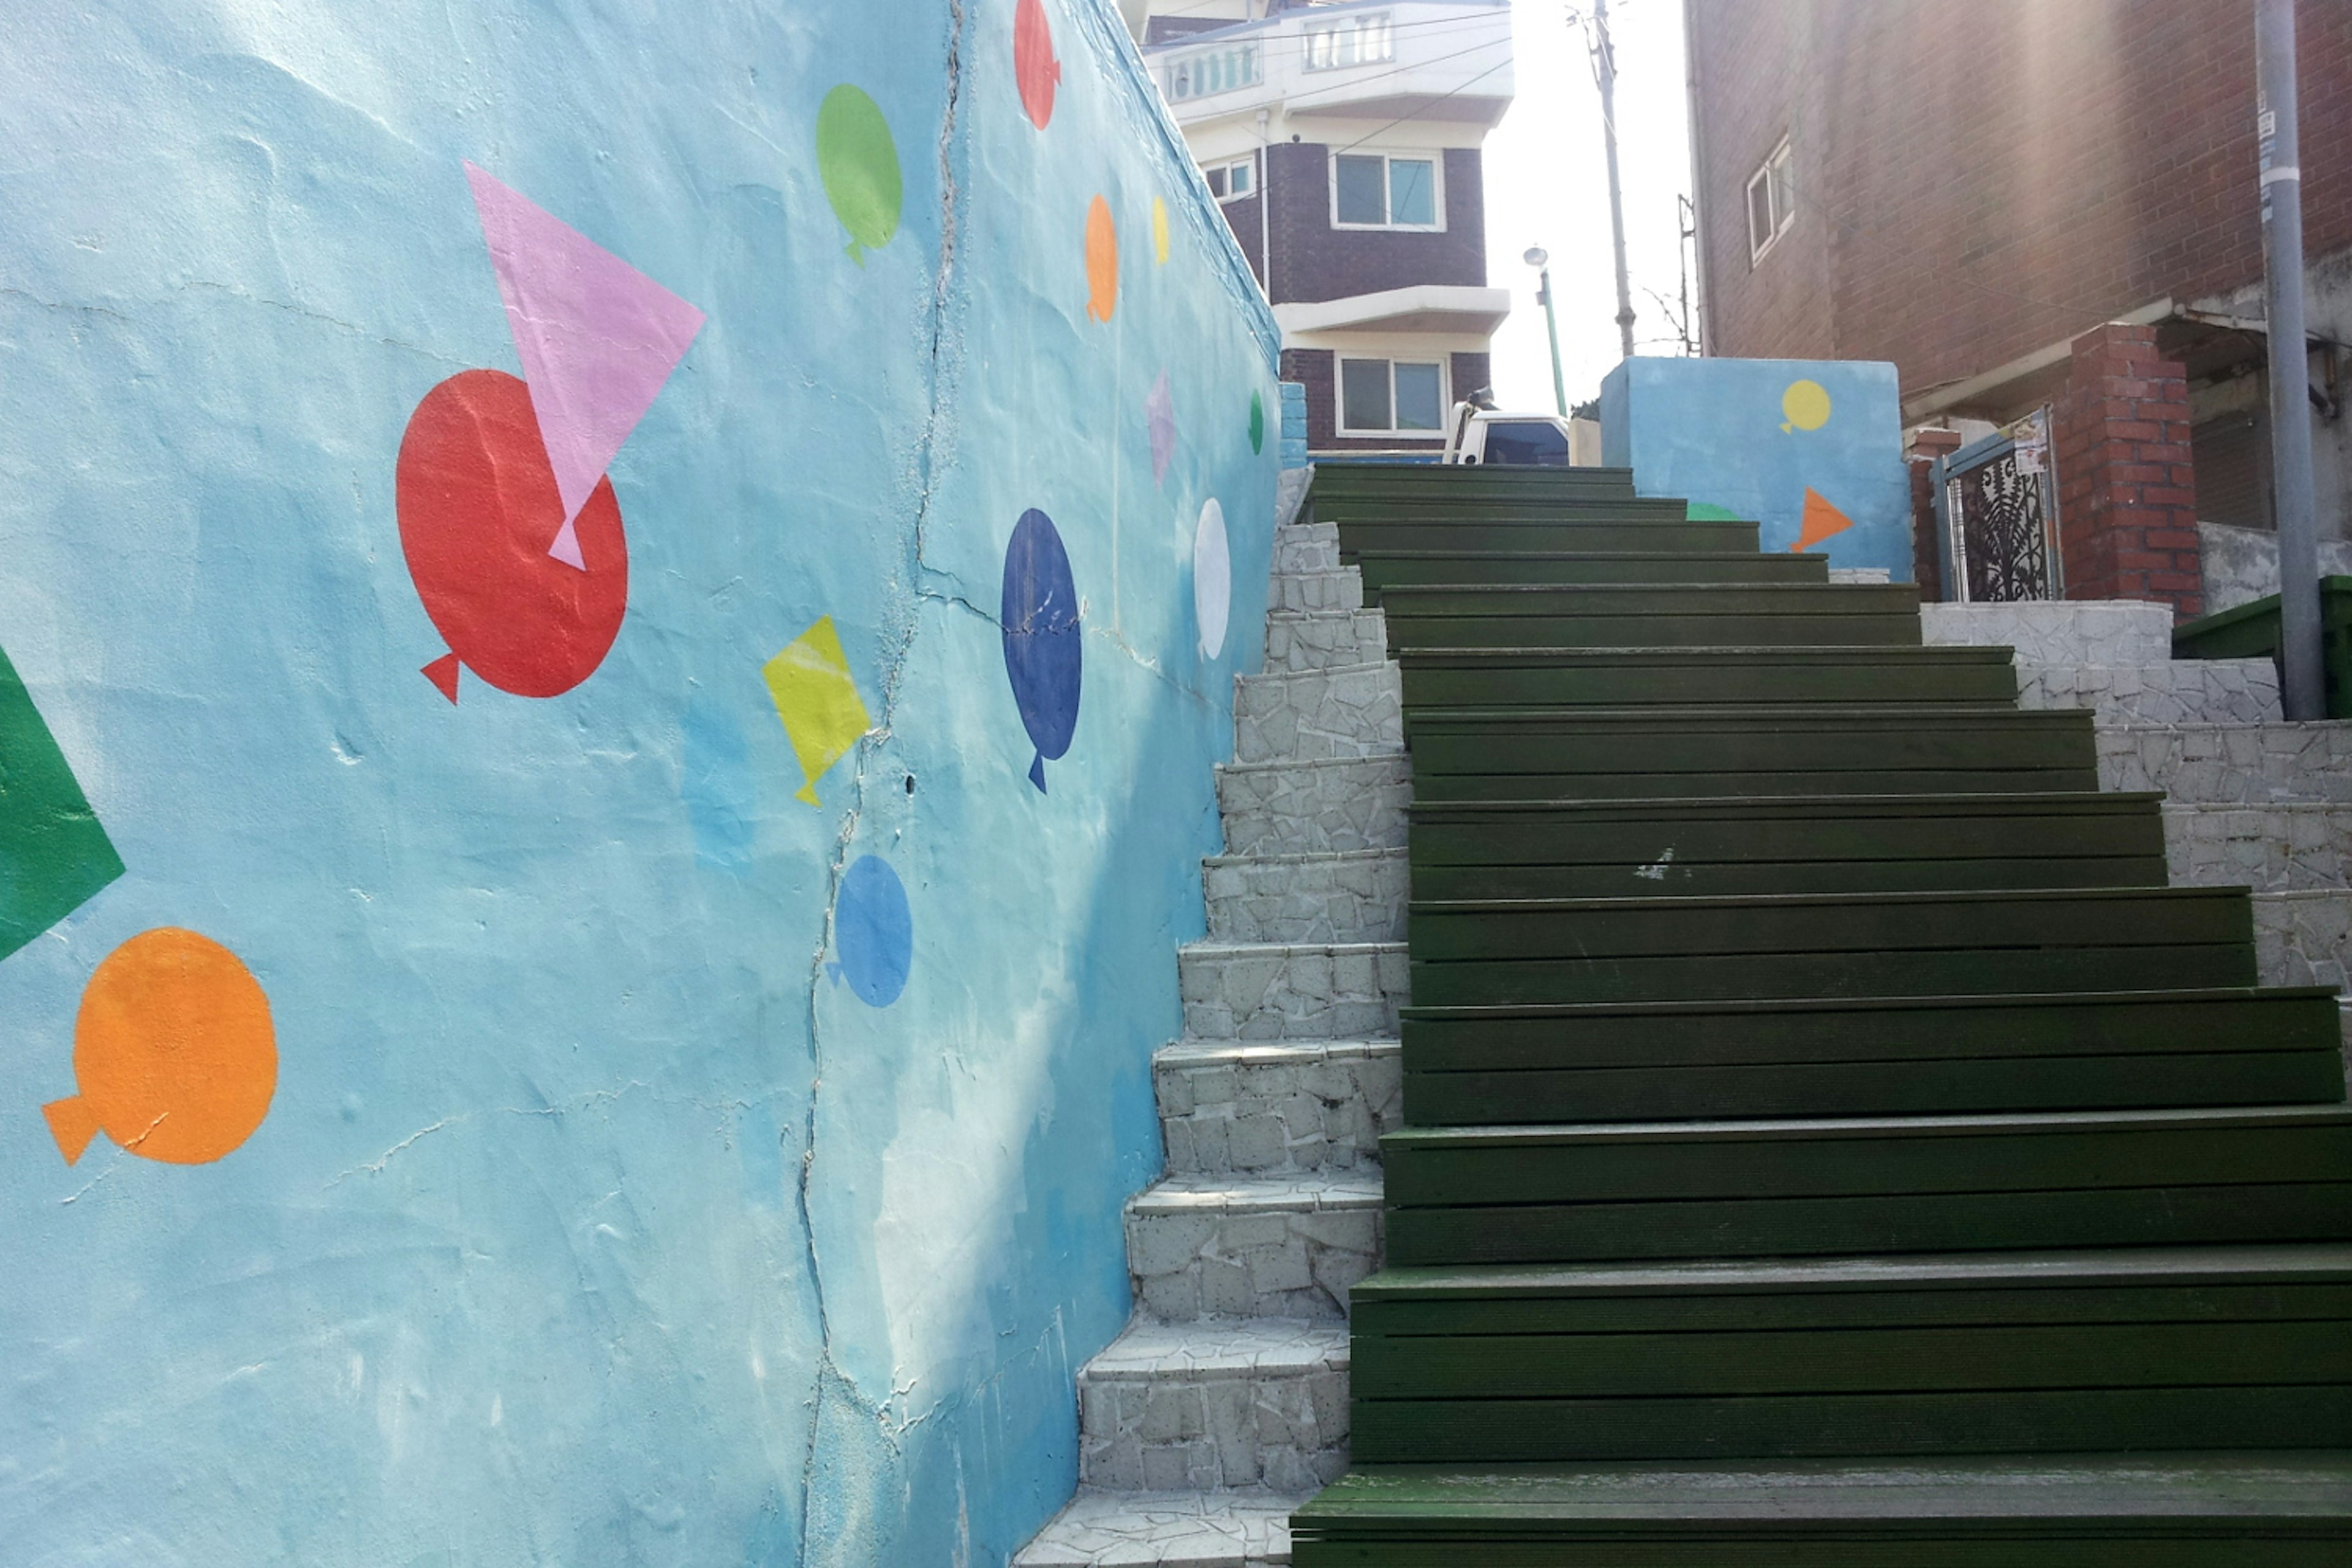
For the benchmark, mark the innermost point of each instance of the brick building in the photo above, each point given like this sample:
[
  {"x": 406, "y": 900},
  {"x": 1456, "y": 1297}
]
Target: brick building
[
  {"x": 1342, "y": 141},
  {"x": 1969, "y": 192}
]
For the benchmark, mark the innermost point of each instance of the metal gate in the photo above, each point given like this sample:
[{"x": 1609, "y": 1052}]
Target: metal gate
[{"x": 1997, "y": 516}]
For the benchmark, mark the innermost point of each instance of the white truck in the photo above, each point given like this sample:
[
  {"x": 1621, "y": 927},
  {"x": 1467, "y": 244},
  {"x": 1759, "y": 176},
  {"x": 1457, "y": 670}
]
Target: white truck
[{"x": 1479, "y": 432}]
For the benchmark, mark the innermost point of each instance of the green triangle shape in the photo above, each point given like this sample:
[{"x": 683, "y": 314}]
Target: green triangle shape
[{"x": 54, "y": 854}]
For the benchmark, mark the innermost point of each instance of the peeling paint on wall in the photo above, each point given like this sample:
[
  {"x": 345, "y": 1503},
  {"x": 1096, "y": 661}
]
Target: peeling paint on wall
[{"x": 582, "y": 1214}]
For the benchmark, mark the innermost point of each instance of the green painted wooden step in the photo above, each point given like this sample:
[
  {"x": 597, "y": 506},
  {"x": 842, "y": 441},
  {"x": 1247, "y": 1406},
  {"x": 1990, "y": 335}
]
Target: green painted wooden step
[
  {"x": 1382, "y": 568},
  {"x": 1503, "y": 678},
  {"x": 1717, "y": 614},
  {"x": 1433, "y": 483},
  {"x": 1852, "y": 1187},
  {"x": 2273, "y": 1509},
  {"x": 1556, "y": 849},
  {"x": 1488, "y": 953},
  {"x": 1637, "y": 753},
  {"x": 2238, "y": 1347},
  {"x": 1593, "y": 530},
  {"x": 1880, "y": 1056}
]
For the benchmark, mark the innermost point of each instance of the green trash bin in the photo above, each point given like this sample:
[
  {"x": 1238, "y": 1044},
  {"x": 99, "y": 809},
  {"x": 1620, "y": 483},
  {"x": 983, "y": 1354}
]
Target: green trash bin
[{"x": 2252, "y": 631}]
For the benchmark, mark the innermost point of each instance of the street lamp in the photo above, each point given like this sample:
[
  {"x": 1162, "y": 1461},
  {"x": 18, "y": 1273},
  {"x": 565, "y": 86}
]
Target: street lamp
[{"x": 1541, "y": 259}]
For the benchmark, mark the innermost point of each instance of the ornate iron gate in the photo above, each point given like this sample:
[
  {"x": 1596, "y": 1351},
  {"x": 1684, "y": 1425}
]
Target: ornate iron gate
[{"x": 1997, "y": 513}]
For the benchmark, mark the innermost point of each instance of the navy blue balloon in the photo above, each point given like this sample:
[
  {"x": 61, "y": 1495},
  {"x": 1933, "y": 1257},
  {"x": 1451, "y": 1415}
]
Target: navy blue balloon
[
  {"x": 1044, "y": 648},
  {"x": 874, "y": 930}
]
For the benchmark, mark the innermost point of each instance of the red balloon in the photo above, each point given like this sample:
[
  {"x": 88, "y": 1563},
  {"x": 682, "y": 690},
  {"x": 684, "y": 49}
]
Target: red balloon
[
  {"x": 1033, "y": 65},
  {"x": 478, "y": 508}
]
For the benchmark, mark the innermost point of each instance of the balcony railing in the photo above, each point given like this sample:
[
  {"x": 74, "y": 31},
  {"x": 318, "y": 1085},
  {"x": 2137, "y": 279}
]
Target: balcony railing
[{"x": 1211, "y": 71}]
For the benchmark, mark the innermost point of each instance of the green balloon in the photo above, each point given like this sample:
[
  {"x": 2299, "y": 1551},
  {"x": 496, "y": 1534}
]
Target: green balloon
[
  {"x": 859, "y": 162},
  {"x": 1257, "y": 422}
]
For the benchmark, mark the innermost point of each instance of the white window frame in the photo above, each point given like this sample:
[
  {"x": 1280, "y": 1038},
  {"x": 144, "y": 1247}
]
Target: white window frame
[
  {"x": 1436, "y": 162},
  {"x": 1246, "y": 62},
  {"x": 1226, "y": 166},
  {"x": 1777, "y": 176},
  {"x": 1376, "y": 24},
  {"x": 1340, "y": 426}
]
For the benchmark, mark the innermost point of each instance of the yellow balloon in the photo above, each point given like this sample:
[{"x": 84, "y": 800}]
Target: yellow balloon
[
  {"x": 1160, "y": 229},
  {"x": 1806, "y": 406}
]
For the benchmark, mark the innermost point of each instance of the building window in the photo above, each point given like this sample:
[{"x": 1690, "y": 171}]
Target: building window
[
  {"x": 1381, "y": 397},
  {"x": 1771, "y": 202},
  {"x": 1350, "y": 41},
  {"x": 1231, "y": 182},
  {"x": 1214, "y": 71},
  {"x": 1373, "y": 190}
]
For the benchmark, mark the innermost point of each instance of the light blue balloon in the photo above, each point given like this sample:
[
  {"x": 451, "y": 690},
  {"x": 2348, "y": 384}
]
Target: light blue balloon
[{"x": 874, "y": 931}]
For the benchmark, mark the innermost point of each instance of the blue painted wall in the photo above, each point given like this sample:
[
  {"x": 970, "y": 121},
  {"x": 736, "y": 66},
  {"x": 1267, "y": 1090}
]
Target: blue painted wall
[
  {"x": 1747, "y": 438},
  {"x": 598, "y": 1216}
]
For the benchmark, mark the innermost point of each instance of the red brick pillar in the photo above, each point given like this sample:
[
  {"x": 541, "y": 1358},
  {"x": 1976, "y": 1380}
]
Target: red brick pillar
[
  {"x": 1926, "y": 549},
  {"x": 2127, "y": 491}
]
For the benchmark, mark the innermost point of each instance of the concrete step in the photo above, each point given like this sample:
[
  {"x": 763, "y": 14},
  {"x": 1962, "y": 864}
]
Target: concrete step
[
  {"x": 2272, "y": 847},
  {"x": 1353, "y": 711},
  {"x": 1280, "y": 1246},
  {"x": 2063, "y": 631},
  {"x": 2178, "y": 691},
  {"x": 2304, "y": 937},
  {"x": 2231, "y": 765},
  {"x": 1244, "y": 1402},
  {"x": 1324, "y": 640},
  {"x": 1306, "y": 547},
  {"x": 1301, "y": 807},
  {"x": 1240, "y": 1529},
  {"x": 1269, "y": 991},
  {"x": 1339, "y": 589},
  {"x": 1285, "y": 1106},
  {"x": 1347, "y": 895}
]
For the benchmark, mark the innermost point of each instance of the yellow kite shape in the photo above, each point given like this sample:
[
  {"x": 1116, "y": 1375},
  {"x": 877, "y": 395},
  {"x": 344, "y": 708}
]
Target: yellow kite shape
[{"x": 817, "y": 700}]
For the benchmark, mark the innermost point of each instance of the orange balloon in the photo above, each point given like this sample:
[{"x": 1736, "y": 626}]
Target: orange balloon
[
  {"x": 174, "y": 1051},
  {"x": 1102, "y": 261}
]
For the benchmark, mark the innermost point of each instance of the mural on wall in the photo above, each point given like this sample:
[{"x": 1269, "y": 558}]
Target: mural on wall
[
  {"x": 1033, "y": 65},
  {"x": 174, "y": 1053},
  {"x": 630, "y": 1189},
  {"x": 1811, "y": 451},
  {"x": 816, "y": 697},
  {"x": 1044, "y": 653},
  {"x": 874, "y": 931},
  {"x": 55, "y": 855},
  {"x": 1257, "y": 422},
  {"x": 511, "y": 531},
  {"x": 1102, "y": 261},
  {"x": 858, "y": 158}
]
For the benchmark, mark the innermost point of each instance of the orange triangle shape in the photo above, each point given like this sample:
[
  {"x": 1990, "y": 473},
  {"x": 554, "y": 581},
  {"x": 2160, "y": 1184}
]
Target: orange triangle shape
[
  {"x": 73, "y": 1124},
  {"x": 443, "y": 672},
  {"x": 1821, "y": 522}
]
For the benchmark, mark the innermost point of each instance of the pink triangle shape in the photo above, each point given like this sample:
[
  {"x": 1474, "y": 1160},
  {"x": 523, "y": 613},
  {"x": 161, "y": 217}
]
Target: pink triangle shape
[
  {"x": 597, "y": 339},
  {"x": 566, "y": 547}
]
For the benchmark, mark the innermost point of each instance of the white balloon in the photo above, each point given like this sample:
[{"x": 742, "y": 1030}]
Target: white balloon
[{"x": 1213, "y": 579}]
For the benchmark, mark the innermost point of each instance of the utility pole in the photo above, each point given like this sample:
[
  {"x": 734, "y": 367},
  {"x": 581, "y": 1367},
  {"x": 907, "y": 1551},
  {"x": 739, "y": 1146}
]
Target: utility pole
[
  {"x": 1604, "y": 72},
  {"x": 2304, "y": 693},
  {"x": 1541, "y": 259}
]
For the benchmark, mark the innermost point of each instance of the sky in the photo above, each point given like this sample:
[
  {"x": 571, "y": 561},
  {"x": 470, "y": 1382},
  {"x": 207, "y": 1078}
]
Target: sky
[{"x": 1547, "y": 183}]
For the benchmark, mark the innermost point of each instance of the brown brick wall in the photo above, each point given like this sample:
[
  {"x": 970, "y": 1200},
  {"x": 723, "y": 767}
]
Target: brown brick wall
[
  {"x": 1243, "y": 218},
  {"x": 1314, "y": 261},
  {"x": 1977, "y": 182},
  {"x": 2126, "y": 503}
]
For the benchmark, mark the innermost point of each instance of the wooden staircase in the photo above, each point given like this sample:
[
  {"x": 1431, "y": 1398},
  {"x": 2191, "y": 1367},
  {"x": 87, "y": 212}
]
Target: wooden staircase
[{"x": 1828, "y": 1141}]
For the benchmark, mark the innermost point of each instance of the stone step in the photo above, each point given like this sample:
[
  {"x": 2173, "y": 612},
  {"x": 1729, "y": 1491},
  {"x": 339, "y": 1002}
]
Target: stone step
[
  {"x": 1306, "y": 547},
  {"x": 1352, "y": 710},
  {"x": 2304, "y": 938},
  {"x": 2272, "y": 847},
  {"x": 2178, "y": 691},
  {"x": 1280, "y": 1246},
  {"x": 1285, "y": 1106},
  {"x": 1242, "y": 1401},
  {"x": 2063, "y": 631},
  {"x": 1239, "y": 1529},
  {"x": 1339, "y": 589},
  {"x": 1301, "y": 807},
  {"x": 1341, "y": 896},
  {"x": 1324, "y": 640},
  {"x": 2231, "y": 765},
  {"x": 1270, "y": 991}
]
